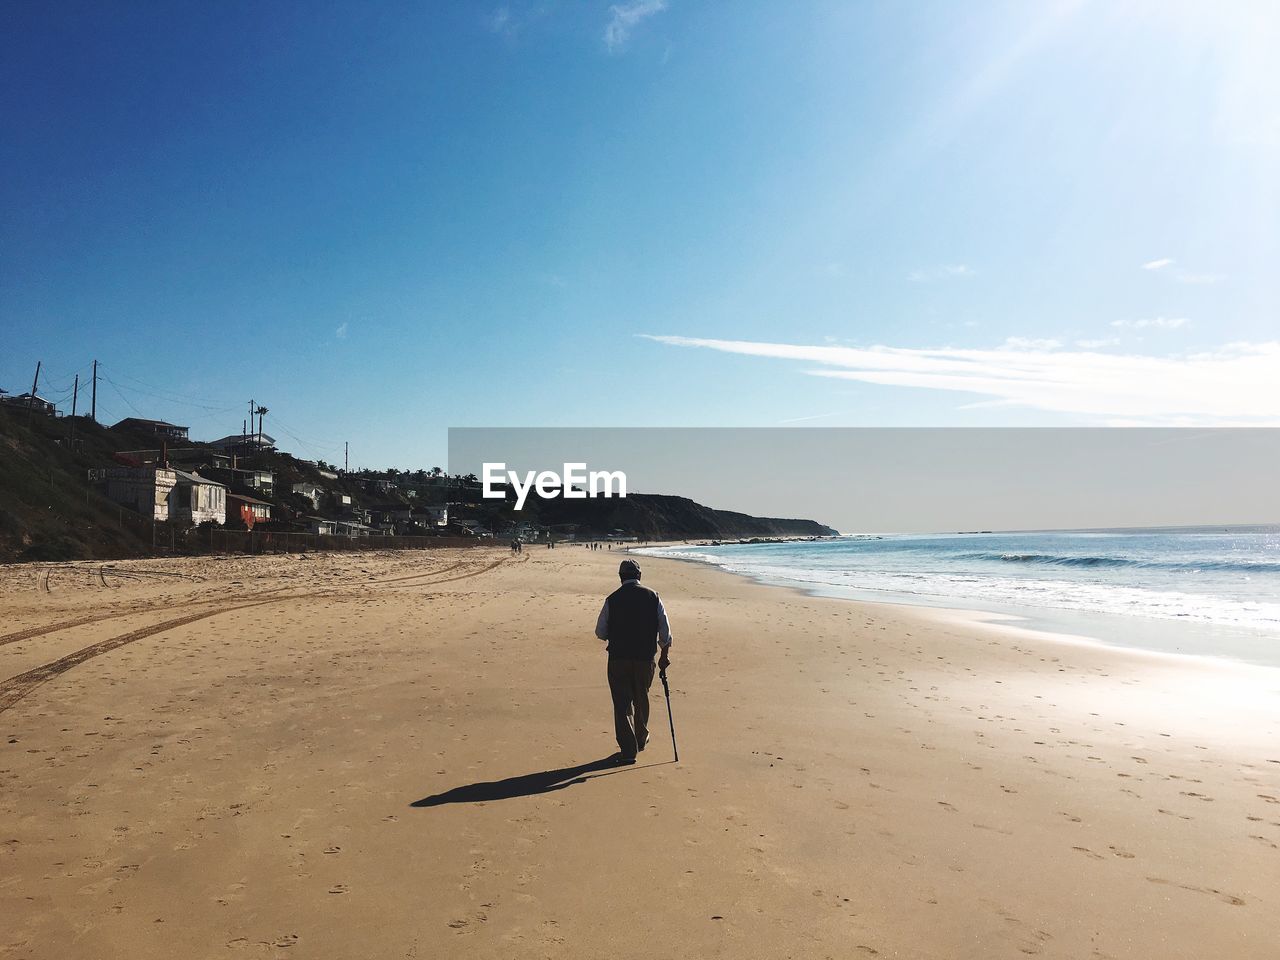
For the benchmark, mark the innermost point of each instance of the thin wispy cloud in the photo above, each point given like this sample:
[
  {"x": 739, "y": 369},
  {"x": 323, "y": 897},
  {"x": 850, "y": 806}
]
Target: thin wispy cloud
[
  {"x": 623, "y": 18},
  {"x": 1181, "y": 276},
  {"x": 950, "y": 271},
  {"x": 341, "y": 332},
  {"x": 1234, "y": 384},
  {"x": 1152, "y": 323},
  {"x": 1098, "y": 342},
  {"x": 1030, "y": 343}
]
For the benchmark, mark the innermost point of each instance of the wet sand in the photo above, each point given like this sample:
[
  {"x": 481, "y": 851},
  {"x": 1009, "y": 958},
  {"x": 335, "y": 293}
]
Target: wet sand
[{"x": 393, "y": 755}]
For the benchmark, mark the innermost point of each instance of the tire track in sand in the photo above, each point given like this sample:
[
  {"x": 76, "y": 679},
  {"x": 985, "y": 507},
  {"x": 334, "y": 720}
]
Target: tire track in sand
[
  {"x": 15, "y": 688},
  {"x": 461, "y": 576},
  {"x": 415, "y": 576},
  {"x": 31, "y": 632}
]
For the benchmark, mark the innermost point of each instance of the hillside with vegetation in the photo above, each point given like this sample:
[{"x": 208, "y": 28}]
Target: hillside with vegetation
[
  {"x": 52, "y": 510},
  {"x": 651, "y": 516}
]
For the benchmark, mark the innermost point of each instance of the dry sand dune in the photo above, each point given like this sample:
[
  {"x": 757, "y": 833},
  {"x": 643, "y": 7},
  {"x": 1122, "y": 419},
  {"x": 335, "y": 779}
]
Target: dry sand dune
[{"x": 394, "y": 755}]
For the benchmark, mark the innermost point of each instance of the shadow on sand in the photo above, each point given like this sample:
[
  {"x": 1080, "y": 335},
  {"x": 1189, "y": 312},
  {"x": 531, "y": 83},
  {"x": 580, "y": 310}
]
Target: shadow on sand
[{"x": 530, "y": 784}]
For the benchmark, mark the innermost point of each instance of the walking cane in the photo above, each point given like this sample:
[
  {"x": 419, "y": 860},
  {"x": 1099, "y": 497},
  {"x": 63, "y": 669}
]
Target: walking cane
[{"x": 662, "y": 674}]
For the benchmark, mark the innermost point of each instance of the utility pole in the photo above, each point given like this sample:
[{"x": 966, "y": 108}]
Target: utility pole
[
  {"x": 346, "y": 456},
  {"x": 75, "y": 393},
  {"x": 93, "y": 409},
  {"x": 34, "y": 383}
]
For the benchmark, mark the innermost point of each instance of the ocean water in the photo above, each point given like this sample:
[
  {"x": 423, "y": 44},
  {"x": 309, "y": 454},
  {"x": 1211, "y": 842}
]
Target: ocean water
[{"x": 1198, "y": 590}]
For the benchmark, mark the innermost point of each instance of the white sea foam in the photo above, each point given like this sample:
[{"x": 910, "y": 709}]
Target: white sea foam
[{"x": 1227, "y": 579}]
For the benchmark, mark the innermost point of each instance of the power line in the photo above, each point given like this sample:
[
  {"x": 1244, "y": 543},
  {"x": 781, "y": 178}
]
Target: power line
[
  {"x": 316, "y": 448},
  {"x": 121, "y": 394},
  {"x": 170, "y": 396},
  {"x": 164, "y": 393}
]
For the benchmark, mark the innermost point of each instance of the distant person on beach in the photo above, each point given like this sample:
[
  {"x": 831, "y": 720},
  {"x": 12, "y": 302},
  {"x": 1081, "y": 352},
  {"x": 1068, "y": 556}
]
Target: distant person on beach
[{"x": 634, "y": 623}]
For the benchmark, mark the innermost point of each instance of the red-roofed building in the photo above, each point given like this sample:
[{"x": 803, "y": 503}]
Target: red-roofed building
[{"x": 247, "y": 510}]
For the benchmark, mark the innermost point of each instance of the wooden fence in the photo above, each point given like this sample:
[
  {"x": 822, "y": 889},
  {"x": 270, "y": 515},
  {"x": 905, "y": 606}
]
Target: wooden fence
[{"x": 170, "y": 538}]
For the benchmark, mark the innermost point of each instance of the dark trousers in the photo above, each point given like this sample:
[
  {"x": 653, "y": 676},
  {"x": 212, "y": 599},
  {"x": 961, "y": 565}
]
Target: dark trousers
[{"x": 629, "y": 682}]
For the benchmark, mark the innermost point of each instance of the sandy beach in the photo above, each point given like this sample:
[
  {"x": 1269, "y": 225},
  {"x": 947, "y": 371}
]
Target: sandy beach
[{"x": 394, "y": 755}]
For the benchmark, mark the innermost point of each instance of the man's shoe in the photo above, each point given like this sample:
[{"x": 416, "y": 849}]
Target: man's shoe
[
  {"x": 622, "y": 759},
  {"x": 644, "y": 743}
]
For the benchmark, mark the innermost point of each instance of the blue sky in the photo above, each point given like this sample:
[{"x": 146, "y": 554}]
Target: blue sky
[{"x": 384, "y": 220}]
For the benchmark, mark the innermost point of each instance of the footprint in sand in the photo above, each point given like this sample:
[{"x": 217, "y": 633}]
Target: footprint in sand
[
  {"x": 1089, "y": 853},
  {"x": 1224, "y": 897},
  {"x": 1125, "y": 854}
]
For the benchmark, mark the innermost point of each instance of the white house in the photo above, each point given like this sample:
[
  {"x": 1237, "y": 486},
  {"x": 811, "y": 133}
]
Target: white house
[
  {"x": 197, "y": 499},
  {"x": 349, "y": 528},
  {"x": 260, "y": 480},
  {"x": 246, "y": 444},
  {"x": 144, "y": 489},
  {"x": 311, "y": 492},
  {"x": 319, "y": 525}
]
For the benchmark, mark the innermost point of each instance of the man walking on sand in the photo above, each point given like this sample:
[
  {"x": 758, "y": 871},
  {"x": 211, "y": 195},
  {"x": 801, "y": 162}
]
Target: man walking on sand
[{"x": 634, "y": 624}]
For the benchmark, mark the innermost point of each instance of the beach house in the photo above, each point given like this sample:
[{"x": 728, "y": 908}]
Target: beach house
[
  {"x": 247, "y": 510},
  {"x": 190, "y": 457},
  {"x": 321, "y": 526},
  {"x": 197, "y": 499},
  {"x": 245, "y": 444},
  {"x": 311, "y": 492},
  {"x": 238, "y": 478},
  {"x": 148, "y": 490},
  {"x": 156, "y": 428},
  {"x": 36, "y": 404}
]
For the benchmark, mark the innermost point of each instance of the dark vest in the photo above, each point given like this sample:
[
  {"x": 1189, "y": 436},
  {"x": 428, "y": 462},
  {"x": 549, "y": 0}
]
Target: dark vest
[{"x": 633, "y": 623}]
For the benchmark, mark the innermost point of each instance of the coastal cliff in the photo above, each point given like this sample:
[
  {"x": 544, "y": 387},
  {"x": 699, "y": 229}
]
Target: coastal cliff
[
  {"x": 52, "y": 510},
  {"x": 662, "y": 517}
]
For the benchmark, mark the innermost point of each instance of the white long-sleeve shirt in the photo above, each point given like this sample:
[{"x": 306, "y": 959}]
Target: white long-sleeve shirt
[{"x": 664, "y": 627}]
